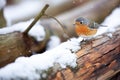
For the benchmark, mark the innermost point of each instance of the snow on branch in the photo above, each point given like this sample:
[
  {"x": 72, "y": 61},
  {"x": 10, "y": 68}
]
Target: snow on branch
[
  {"x": 36, "y": 32},
  {"x": 36, "y": 65},
  {"x": 112, "y": 21}
]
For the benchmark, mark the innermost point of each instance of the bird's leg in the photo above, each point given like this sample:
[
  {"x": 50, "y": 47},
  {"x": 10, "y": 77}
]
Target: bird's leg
[{"x": 87, "y": 41}]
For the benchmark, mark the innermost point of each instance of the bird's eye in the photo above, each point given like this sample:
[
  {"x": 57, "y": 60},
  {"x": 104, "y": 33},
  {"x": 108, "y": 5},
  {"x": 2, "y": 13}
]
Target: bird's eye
[{"x": 81, "y": 22}]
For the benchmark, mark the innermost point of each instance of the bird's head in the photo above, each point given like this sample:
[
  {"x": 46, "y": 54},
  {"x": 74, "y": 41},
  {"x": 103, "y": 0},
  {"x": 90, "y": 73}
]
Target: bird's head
[{"x": 82, "y": 21}]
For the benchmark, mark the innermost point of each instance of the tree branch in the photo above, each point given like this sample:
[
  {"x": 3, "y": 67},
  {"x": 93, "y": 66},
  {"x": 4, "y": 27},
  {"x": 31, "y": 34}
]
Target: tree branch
[{"x": 36, "y": 19}]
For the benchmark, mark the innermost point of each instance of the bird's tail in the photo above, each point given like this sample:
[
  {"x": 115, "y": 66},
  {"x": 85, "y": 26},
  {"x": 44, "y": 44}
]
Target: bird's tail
[{"x": 101, "y": 25}]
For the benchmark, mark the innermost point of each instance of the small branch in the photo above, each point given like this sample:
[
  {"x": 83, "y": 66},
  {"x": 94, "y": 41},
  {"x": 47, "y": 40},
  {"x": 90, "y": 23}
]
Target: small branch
[
  {"x": 67, "y": 35},
  {"x": 36, "y": 19},
  {"x": 2, "y": 19}
]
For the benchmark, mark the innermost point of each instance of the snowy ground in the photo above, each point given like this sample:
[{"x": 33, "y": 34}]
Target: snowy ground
[{"x": 32, "y": 68}]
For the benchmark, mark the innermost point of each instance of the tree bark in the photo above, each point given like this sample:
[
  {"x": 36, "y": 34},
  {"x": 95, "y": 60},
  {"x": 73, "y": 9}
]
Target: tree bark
[
  {"x": 16, "y": 44},
  {"x": 12, "y": 45},
  {"x": 98, "y": 60}
]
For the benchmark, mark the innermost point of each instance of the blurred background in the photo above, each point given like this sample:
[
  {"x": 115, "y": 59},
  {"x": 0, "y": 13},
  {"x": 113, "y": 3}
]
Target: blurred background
[
  {"x": 19, "y": 10},
  {"x": 66, "y": 11}
]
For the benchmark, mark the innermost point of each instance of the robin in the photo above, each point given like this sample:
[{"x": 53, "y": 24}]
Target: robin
[{"x": 86, "y": 28}]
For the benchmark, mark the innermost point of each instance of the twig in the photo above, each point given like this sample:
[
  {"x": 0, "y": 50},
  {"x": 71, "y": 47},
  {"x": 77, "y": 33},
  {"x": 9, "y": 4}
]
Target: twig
[
  {"x": 67, "y": 35},
  {"x": 36, "y": 19}
]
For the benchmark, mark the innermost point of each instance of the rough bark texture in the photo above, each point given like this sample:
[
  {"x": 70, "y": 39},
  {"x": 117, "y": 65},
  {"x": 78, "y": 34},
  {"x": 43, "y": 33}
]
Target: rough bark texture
[
  {"x": 12, "y": 45},
  {"x": 98, "y": 60}
]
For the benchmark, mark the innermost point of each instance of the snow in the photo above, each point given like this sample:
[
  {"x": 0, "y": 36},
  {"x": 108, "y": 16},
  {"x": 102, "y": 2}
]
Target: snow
[
  {"x": 54, "y": 41},
  {"x": 109, "y": 35},
  {"x": 111, "y": 21},
  {"x": 2, "y": 3},
  {"x": 36, "y": 32},
  {"x": 30, "y": 68}
]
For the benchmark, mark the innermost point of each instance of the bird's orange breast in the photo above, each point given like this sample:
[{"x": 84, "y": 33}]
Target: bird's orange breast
[{"x": 84, "y": 30}]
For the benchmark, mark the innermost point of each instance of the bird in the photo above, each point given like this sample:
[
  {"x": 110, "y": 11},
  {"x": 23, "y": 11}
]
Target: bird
[{"x": 86, "y": 28}]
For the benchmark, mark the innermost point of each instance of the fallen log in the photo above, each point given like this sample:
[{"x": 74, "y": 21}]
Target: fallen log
[
  {"x": 16, "y": 44},
  {"x": 98, "y": 60},
  {"x": 11, "y": 46}
]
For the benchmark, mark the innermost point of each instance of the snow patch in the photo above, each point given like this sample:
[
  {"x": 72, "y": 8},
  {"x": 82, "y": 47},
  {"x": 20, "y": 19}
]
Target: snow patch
[
  {"x": 111, "y": 21},
  {"x": 54, "y": 41}
]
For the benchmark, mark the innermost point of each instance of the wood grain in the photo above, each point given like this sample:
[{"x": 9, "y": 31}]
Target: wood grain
[{"x": 98, "y": 60}]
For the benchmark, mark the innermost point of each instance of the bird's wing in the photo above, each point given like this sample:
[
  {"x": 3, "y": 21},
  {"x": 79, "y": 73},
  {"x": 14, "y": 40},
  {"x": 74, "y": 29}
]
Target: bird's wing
[{"x": 93, "y": 25}]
